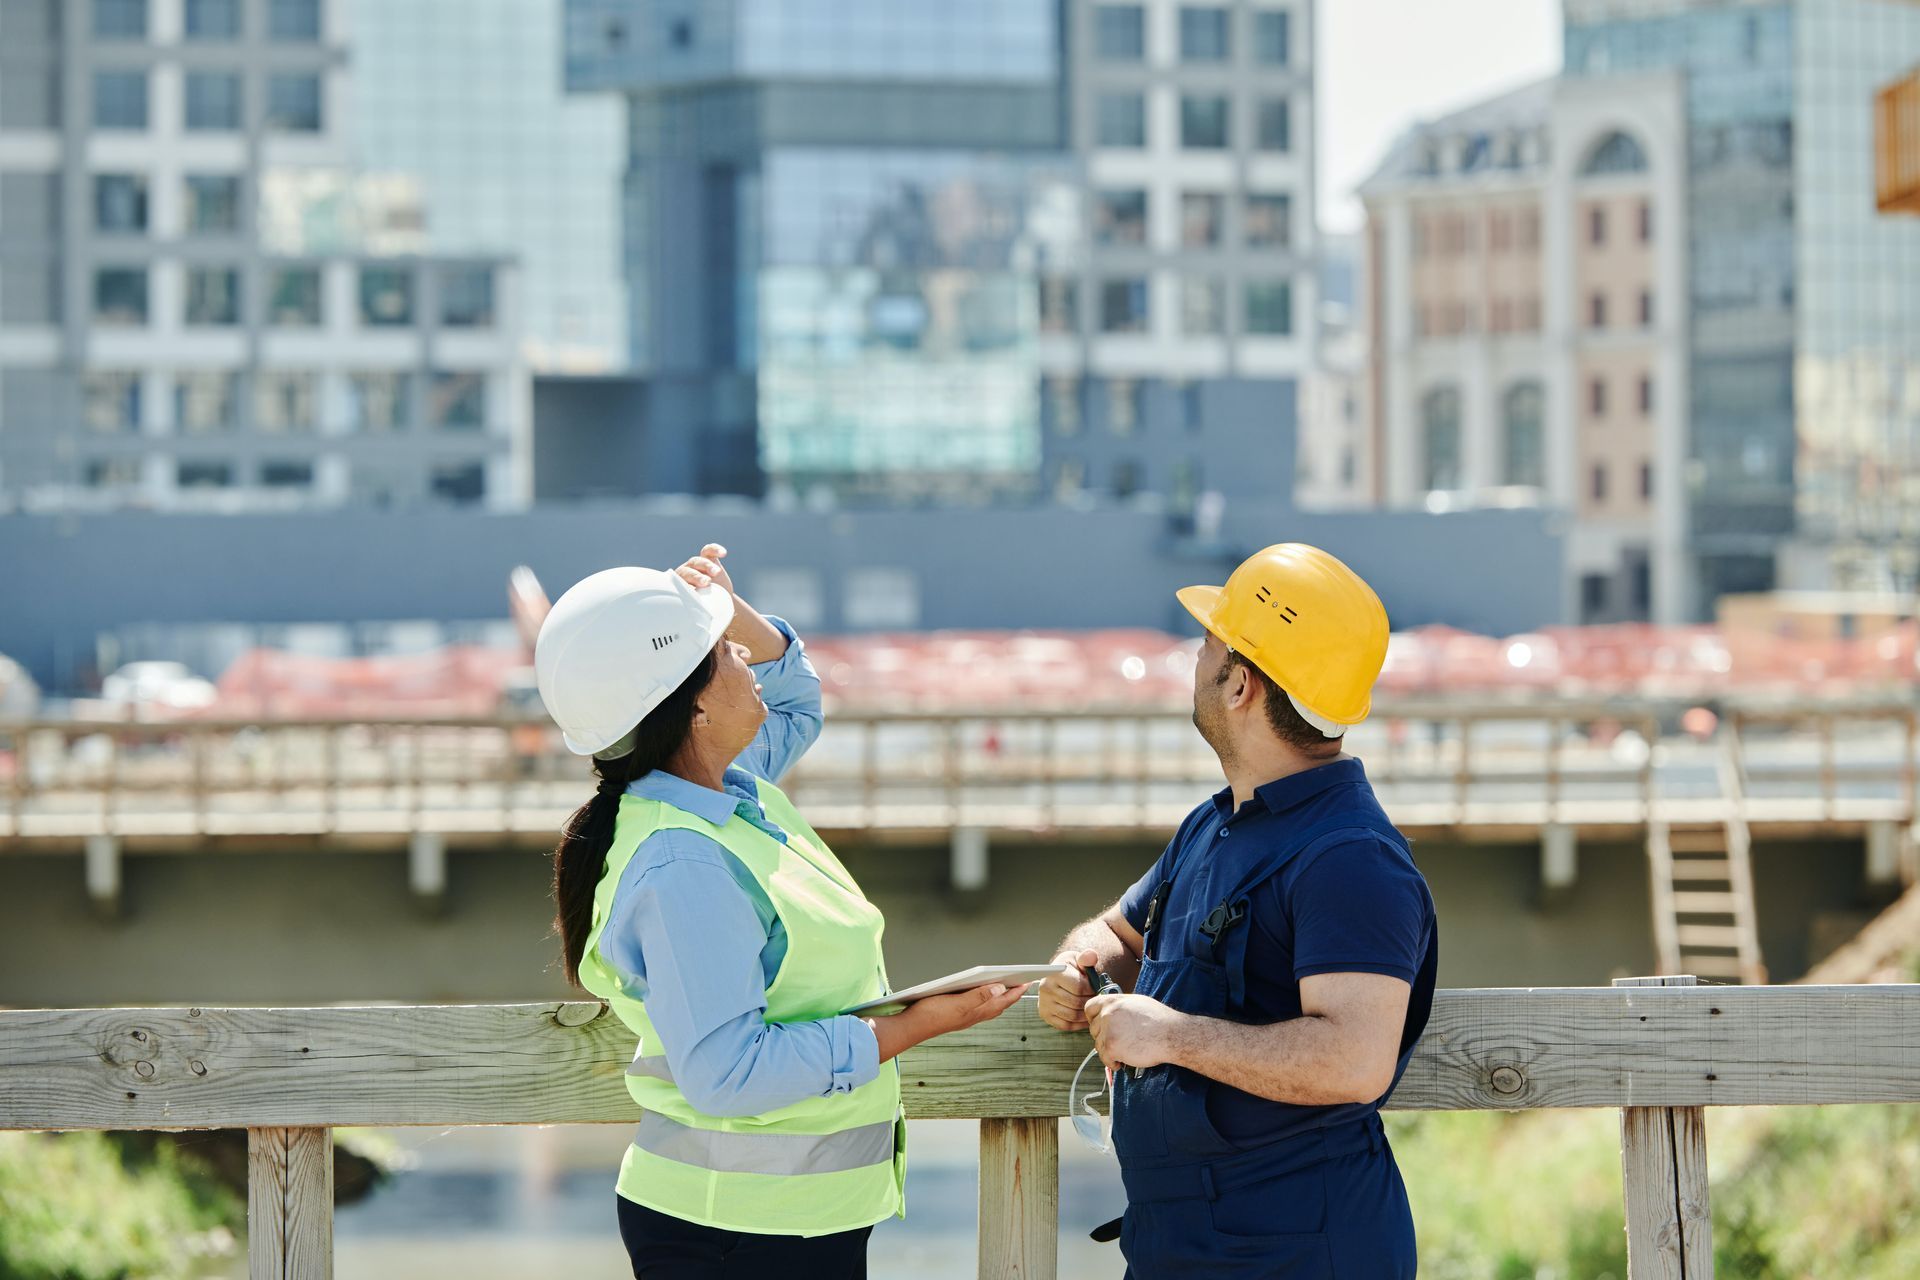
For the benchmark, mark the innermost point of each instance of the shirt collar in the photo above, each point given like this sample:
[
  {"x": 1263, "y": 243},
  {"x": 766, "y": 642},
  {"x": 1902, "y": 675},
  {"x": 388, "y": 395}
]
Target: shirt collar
[
  {"x": 1297, "y": 788},
  {"x": 702, "y": 802}
]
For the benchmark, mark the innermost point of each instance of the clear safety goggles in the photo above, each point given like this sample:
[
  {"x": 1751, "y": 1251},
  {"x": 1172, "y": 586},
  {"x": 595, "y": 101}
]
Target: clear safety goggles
[{"x": 1094, "y": 1127}]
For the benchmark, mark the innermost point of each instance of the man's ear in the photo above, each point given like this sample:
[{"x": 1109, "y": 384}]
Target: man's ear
[{"x": 1244, "y": 688}]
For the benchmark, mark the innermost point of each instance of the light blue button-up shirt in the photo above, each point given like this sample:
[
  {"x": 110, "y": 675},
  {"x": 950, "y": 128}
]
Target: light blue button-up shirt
[{"x": 692, "y": 933}]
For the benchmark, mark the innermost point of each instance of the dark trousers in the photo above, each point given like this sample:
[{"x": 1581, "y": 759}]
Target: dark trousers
[{"x": 667, "y": 1248}]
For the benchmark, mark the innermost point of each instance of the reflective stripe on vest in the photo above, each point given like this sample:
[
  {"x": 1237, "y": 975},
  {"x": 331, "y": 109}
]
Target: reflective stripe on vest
[{"x": 780, "y": 1153}]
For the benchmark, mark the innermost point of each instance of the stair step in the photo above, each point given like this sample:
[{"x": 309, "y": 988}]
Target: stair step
[
  {"x": 1705, "y": 966},
  {"x": 1725, "y": 936},
  {"x": 1717, "y": 870},
  {"x": 1701, "y": 902}
]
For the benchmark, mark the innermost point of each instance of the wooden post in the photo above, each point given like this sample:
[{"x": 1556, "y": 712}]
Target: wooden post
[
  {"x": 290, "y": 1204},
  {"x": 1663, "y": 1163},
  {"x": 1020, "y": 1199}
]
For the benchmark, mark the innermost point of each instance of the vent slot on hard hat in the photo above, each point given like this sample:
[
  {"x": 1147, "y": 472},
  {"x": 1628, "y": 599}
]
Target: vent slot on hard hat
[
  {"x": 1287, "y": 612},
  {"x": 661, "y": 642}
]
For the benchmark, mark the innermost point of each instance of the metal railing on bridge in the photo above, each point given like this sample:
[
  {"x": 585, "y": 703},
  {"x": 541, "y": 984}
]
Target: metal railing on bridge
[
  {"x": 1661, "y": 1049},
  {"x": 1437, "y": 765}
]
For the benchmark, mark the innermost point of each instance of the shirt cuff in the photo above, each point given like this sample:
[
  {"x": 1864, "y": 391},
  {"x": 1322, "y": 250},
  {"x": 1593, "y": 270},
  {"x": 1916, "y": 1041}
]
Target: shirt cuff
[
  {"x": 794, "y": 647},
  {"x": 856, "y": 1054}
]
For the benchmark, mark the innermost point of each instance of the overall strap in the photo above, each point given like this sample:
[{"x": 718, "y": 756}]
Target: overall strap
[{"x": 1224, "y": 926}]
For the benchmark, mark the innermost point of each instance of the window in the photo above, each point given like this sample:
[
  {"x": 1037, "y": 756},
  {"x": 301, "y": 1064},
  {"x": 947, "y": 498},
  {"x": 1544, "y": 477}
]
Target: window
[
  {"x": 213, "y": 203},
  {"x": 206, "y": 402},
  {"x": 461, "y": 484},
  {"x": 1597, "y": 397},
  {"x": 213, "y": 19},
  {"x": 380, "y": 402},
  {"x": 286, "y": 475},
  {"x": 458, "y": 401},
  {"x": 879, "y": 597},
  {"x": 293, "y": 298},
  {"x": 1120, "y": 32},
  {"x": 1203, "y": 122},
  {"x": 1530, "y": 229},
  {"x": 1593, "y": 595},
  {"x": 293, "y": 19},
  {"x": 1646, "y": 394},
  {"x": 1499, "y": 231},
  {"x": 113, "y": 473},
  {"x": 1192, "y": 405},
  {"x": 1272, "y": 38},
  {"x": 1502, "y": 316},
  {"x": 1646, "y": 223},
  {"x": 1203, "y": 34},
  {"x": 1596, "y": 225},
  {"x": 213, "y": 101},
  {"x": 120, "y": 203},
  {"x": 213, "y": 296},
  {"x": 1646, "y": 482},
  {"x": 466, "y": 297},
  {"x": 795, "y": 594},
  {"x": 203, "y": 475},
  {"x": 1597, "y": 311},
  {"x": 1059, "y": 304},
  {"x": 120, "y": 297},
  {"x": 1203, "y": 306},
  {"x": 1126, "y": 478},
  {"x": 1646, "y": 308},
  {"x": 286, "y": 403},
  {"x": 1273, "y": 124},
  {"x": 1120, "y": 217},
  {"x": 1270, "y": 307},
  {"x": 1123, "y": 306},
  {"x": 1060, "y": 402},
  {"x": 1126, "y": 405},
  {"x": 1069, "y": 479},
  {"x": 1599, "y": 482},
  {"x": 1523, "y": 411},
  {"x": 680, "y": 33},
  {"x": 120, "y": 100},
  {"x": 120, "y": 19},
  {"x": 111, "y": 403},
  {"x": 1440, "y": 434},
  {"x": 1201, "y": 216},
  {"x": 386, "y": 296},
  {"x": 1269, "y": 221},
  {"x": 1121, "y": 120},
  {"x": 1615, "y": 153},
  {"x": 293, "y": 103}
]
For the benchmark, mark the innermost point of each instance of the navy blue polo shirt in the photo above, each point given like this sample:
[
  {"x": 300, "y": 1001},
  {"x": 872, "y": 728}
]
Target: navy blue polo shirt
[{"x": 1351, "y": 902}]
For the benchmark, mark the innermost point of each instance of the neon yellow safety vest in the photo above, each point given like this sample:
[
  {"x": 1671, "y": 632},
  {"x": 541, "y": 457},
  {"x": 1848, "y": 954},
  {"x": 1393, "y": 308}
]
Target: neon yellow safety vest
[{"x": 831, "y": 1163}]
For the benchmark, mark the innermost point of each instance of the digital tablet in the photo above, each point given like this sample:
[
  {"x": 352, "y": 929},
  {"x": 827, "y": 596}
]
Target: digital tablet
[{"x": 966, "y": 980}]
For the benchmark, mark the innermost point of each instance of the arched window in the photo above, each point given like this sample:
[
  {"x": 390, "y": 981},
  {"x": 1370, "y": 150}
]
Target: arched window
[
  {"x": 1616, "y": 153},
  {"x": 1440, "y": 436},
  {"x": 1524, "y": 434}
]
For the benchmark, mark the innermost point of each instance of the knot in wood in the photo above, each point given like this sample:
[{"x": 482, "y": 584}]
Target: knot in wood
[
  {"x": 1508, "y": 1080},
  {"x": 578, "y": 1013},
  {"x": 144, "y": 1070},
  {"x": 198, "y": 1067}
]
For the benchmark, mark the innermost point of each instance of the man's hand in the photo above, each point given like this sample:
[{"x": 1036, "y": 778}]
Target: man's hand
[
  {"x": 1064, "y": 996},
  {"x": 1133, "y": 1031},
  {"x": 934, "y": 1016},
  {"x": 705, "y": 569}
]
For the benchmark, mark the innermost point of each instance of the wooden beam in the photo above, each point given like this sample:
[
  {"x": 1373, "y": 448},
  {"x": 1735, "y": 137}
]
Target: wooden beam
[
  {"x": 1019, "y": 1199},
  {"x": 289, "y": 1204},
  {"x": 564, "y": 1063},
  {"x": 1663, "y": 1163}
]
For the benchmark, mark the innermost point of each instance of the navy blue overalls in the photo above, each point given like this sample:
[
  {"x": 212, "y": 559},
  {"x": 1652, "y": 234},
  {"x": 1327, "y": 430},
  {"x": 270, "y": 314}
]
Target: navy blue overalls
[{"x": 1325, "y": 1201}]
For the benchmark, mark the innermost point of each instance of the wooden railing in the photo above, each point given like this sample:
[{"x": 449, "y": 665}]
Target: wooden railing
[
  {"x": 1659, "y": 1049},
  {"x": 1455, "y": 764}
]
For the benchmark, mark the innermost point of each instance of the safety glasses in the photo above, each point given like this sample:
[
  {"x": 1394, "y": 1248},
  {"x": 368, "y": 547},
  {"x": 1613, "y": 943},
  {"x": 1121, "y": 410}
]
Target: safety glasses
[{"x": 1094, "y": 1128}]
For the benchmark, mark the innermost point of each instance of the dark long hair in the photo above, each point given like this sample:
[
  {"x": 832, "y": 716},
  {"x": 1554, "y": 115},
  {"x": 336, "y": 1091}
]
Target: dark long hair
[{"x": 581, "y": 856}]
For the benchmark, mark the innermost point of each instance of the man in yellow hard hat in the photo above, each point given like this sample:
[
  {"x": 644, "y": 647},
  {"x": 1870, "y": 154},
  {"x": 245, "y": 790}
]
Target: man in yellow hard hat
[{"x": 1276, "y": 965}]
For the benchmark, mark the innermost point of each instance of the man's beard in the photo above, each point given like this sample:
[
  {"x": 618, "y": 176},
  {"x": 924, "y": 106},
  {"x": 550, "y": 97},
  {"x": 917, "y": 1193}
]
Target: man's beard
[{"x": 1210, "y": 719}]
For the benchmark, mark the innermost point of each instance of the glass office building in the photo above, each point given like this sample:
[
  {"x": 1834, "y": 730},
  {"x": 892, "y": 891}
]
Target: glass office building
[
  {"x": 836, "y": 214},
  {"x": 1804, "y": 301}
]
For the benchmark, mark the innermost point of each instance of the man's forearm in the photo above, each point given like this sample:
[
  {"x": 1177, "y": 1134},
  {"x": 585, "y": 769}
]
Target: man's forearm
[
  {"x": 1117, "y": 960},
  {"x": 1308, "y": 1061}
]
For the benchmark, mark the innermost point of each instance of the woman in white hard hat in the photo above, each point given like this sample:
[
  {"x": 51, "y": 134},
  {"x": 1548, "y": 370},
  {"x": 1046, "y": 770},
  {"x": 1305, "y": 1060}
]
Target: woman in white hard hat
[{"x": 722, "y": 930}]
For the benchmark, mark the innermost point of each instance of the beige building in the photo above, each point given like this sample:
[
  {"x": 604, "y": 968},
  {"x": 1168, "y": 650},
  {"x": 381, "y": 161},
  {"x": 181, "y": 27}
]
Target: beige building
[{"x": 1526, "y": 323}]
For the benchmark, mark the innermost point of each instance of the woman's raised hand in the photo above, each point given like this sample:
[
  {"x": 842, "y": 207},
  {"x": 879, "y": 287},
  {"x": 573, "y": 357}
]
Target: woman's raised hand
[{"x": 706, "y": 569}]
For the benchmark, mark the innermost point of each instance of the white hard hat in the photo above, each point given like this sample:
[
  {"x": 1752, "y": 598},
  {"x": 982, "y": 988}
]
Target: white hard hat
[{"x": 615, "y": 645}]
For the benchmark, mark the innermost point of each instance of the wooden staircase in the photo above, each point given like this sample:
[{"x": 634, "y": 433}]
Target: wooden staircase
[{"x": 1703, "y": 906}]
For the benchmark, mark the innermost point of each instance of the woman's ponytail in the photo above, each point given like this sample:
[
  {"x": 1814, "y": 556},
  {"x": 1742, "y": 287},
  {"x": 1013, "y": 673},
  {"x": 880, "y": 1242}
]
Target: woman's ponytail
[{"x": 580, "y": 859}]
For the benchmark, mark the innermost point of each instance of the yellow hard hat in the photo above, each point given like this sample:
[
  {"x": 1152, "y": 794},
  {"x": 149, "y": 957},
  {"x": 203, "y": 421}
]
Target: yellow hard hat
[{"x": 1309, "y": 623}]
